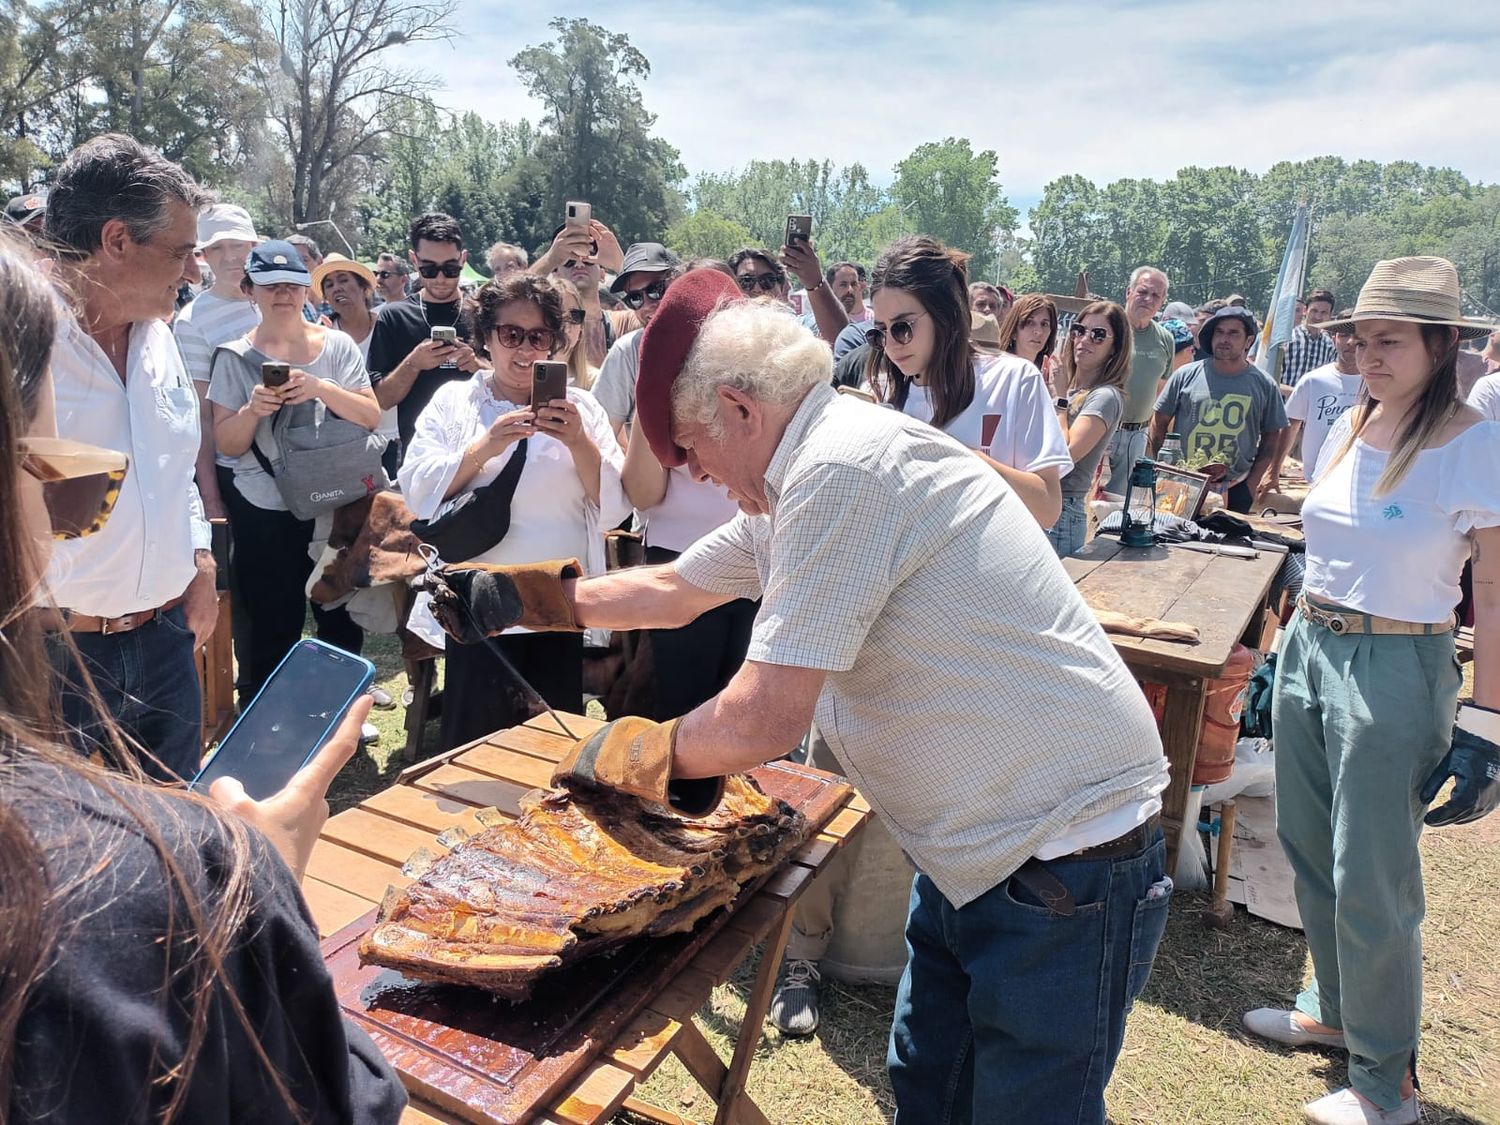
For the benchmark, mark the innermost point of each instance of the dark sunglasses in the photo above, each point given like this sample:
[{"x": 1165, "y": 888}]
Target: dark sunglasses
[
  {"x": 513, "y": 335},
  {"x": 1097, "y": 335},
  {"x": 430, "y": 270},
  {"x": 383, "y": 274},
  {"x": 635, "y": 298},
  {"x": 901, "y": 331},
  {"x": 80, "y": 483},
  {"x": 766, "y": 282},
  {"x": 575, "y": 316}
]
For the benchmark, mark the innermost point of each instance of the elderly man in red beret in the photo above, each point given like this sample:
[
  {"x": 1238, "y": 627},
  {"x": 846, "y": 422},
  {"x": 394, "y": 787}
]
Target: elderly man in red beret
[{"x": 912, "y": 603}]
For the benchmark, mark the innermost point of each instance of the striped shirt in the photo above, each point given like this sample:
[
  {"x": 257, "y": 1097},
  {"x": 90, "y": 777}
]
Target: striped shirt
[
  {"x": 1304, "y": 353},
  {"x": 208, "y": 321},
  {"x": 971, "y": 694}
]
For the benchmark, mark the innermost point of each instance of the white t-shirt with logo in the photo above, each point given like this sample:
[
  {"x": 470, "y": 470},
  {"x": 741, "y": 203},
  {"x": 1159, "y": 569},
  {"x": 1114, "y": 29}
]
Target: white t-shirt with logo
[
  {"x": 1011, "y": 416},
  {"x": 1318, "y": 401}
]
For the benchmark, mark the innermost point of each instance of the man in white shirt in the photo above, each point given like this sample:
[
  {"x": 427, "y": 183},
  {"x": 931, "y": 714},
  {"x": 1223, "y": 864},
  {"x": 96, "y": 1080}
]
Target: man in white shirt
[
  {"x": 138, "y": 597},
  {"x": 1318, "y": 401}
]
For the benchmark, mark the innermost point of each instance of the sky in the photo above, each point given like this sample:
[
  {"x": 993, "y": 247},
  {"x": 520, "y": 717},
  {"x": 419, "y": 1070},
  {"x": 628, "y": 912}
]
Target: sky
[{"x": 1136, "y": 88}]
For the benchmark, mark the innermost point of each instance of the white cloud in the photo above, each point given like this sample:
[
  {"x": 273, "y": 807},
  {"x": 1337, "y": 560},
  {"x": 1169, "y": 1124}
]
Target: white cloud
[{"x": 1107, "y": 91}]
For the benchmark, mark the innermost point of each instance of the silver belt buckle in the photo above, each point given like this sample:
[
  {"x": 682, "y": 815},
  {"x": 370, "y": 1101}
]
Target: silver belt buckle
[{"x": 1336, "y": 624}]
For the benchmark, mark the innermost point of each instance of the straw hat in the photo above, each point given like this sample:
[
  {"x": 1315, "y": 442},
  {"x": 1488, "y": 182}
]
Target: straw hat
[
  {"x": 333, "y": 263},
  {"x": 984, "y": 333},
  {"x": 1417, "y": 290}
]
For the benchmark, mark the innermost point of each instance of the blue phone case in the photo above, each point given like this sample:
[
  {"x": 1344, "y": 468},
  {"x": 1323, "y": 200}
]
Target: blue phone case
[{"x": 295, "y": 655}]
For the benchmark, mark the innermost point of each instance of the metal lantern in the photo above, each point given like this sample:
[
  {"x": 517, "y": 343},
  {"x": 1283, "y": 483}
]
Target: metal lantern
[{"x": 1135, "y": 532}]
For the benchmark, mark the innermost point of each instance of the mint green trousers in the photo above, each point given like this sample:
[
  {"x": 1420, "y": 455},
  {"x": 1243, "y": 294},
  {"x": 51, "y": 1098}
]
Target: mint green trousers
[{"x": 1359, "y": 722}]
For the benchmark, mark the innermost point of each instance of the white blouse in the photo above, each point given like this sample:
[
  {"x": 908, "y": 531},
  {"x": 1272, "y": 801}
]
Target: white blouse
[{"x": 1399, "y": 555}]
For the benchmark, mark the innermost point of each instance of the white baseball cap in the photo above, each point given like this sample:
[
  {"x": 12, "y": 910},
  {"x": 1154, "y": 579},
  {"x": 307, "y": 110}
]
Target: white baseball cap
[{"x": 225, "y": 220}]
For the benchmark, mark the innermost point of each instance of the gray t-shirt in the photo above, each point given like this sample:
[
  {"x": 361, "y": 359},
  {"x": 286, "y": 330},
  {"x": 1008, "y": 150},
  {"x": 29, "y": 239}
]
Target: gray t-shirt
[
  {"x": 1106, "y": 403},
  {"x": 1149, "y": 363},
  {"x": 234, "y": 378},
  {"x": 615, "y": 386},
  {"x": 1222, "y": 416}
]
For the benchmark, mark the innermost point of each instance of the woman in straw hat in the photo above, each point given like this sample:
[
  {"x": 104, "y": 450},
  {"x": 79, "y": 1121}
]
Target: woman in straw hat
[{"x": 1406, "y": 489}]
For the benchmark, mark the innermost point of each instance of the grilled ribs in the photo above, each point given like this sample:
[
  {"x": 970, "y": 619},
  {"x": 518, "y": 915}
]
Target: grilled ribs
[{"x": 579, "y": 873}]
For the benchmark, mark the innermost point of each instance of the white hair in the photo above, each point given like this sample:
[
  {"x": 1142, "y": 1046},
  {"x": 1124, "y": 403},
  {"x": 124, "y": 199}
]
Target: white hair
[
  {"x": 1136, "y": 276},
  {"x": 757, "y": 347}
]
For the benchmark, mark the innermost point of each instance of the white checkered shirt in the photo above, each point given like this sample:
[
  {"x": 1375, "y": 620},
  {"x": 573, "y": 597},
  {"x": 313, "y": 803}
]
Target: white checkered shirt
[
  {"x": 1304, "y": 353},
  {"x": 971, "y": 694}
]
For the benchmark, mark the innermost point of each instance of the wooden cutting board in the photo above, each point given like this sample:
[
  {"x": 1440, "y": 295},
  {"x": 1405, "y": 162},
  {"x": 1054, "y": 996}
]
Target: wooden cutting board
[{"x": 496, "y": 1063}]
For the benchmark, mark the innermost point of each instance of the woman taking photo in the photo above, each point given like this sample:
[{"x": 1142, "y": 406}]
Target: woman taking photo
[
  {"x": 1407, "y": 488},
  {"x": 1088, "y": 386},
  {"x": 563, "y": 466},
  {"x": 140, "y": 920},
  {"x": 328, "y": 374},
  {"x": 348, "y": 288},
  {"x": 922, "y": 363},
  {"x": 1029, "y": 329}
]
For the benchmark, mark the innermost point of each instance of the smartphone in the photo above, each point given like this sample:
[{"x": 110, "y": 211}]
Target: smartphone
[
  {"x": 445, "y": 333},
  {"x": 292, "y": 716},
  {"x": 549, "y": 380},
  {"x": 798, "y": 227},
  {"x": 275, "y": 375},
  {"x": 578, "y": 215}
]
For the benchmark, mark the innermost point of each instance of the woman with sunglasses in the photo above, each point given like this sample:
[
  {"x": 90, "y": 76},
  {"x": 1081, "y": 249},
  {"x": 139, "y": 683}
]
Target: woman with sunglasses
[
  {"x": 923, "y": 363},
  {"x": 139, "y": 920},
  {"x": 574, "y": 351},
  {"x": 1090, "y": 399},
  {"x": 562, "y": 463},
  {"x": 272, "y": 559}
]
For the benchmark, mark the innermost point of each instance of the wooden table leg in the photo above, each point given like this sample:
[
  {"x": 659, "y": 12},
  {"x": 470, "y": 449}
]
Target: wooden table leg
[
  {"x": 420, "y": 675},
  {"x": 735, "y": 1106},
  {"x": 1183, "y": 715},
  {"x": 1220, "y": 911}
]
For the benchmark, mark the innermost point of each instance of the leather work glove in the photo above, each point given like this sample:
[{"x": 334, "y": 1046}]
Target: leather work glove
[
  {"x": 472, "y": 601},
  {"x": 634, "y": 755},
  {"x": 1473, "y": 761}
]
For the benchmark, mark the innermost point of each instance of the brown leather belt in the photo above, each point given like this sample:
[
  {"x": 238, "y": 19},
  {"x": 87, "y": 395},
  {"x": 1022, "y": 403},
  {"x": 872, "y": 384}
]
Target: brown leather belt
[
  {"x": 1048, "y": 888},
  {"x": 66, "y": 620}
]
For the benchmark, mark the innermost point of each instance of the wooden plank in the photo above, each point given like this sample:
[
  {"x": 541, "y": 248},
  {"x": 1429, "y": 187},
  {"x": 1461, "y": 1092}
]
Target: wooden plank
[
  {"x": 654, "y": 1113},
  {"x": 498, "y": 761},
  {"x": 475, "y": 788},
  {"x": 858, "y": 803},
  {"x": 1230, "y": 593},
  {"x": 332, "y": 908},
  {"x": 817, "y": 851},
  {"x": 378, "y": 836},
  {"x": 789, "y": 883},
  {"x": 720, "y": 957},
  {"x": 415, "y": 1114},
  {"x": 641, "y": 1047},
  {"x": 581, "y": 725},
  {"x": 1143, "y": 582},
  {"x": 355, "y": 872},
  {"x": 699, "y": 1058},
  {"x": 845, "y": 822},
  {"x": 684, "y": 996},
  {"x": 1098, "y": 551},
  {"x": 757, "y": 916},
  {"x": 422, "y": 808},
  {"x": 603, "y": 1090},
  {"x": 1181, "y": 720}
]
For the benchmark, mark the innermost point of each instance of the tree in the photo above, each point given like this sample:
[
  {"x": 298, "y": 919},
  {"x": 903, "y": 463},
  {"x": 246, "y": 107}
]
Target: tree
[
  {"x": 1065, "y": 236},
  {"x": 707, "y": 234},
  {"x": 952, "y": 193},
  {"x": 595, "y": 142}
]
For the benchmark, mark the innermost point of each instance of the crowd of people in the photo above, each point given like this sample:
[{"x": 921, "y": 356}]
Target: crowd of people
[{"x": 816, "y": 569}]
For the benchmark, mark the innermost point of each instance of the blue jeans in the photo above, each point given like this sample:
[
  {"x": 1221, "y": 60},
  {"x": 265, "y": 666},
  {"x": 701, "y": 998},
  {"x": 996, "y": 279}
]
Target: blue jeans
[
  {"x": 1009, "y": 1011},
  {"x": 1126, "y": 447},
  {"x": 1072, "y": 527},
  {"x": 148, "y": 680}
]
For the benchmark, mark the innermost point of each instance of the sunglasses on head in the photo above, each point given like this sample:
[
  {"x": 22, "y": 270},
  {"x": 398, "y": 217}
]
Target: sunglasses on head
[
  {"x": 635, "y": 298},
  {"x": 80, "y": 483},
  {"x": 901, "y": 331},
  {"x": 1097, "y": 335},
  {"x": 512, "y": 336},
  {"x": 429, "y": 270},
  {"x": 575, "y": 316},
  {"x": 766, "y": 282}
]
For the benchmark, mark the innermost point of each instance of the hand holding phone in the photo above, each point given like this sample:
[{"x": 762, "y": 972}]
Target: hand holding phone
[
  {"x": 549, "y": 380},
  {"x": 275, "y": 375},
  {"x": 577, "y": 215},
  {"x": 798, "y": 229}
]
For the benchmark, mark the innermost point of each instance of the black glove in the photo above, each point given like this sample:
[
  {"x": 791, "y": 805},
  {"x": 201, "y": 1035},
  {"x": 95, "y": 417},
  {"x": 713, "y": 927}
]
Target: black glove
[
  {"x": 1473, "y": 761},
  {"x": 472, "y": 603}
]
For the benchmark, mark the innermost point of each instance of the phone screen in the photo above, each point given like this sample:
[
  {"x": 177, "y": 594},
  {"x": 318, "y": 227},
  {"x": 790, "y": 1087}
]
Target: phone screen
[{"x": 296, "y": 710}]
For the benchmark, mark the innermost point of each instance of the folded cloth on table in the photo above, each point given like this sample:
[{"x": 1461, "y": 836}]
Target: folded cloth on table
[{"x": 1148, "y": 627}]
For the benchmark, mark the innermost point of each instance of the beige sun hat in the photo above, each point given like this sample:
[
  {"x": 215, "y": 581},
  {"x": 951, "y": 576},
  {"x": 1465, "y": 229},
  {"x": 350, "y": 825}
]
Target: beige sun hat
[
  {"x": 335, "y": 262},
  {"x": 1421, "y": 290}
]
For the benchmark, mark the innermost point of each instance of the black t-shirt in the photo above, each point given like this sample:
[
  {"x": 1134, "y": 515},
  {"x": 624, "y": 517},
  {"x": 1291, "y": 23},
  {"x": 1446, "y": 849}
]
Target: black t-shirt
[
  {"x": 101, "y": 1023},
  {"x": 849, "y": 371},
  {"x": 399, "y": 327}
]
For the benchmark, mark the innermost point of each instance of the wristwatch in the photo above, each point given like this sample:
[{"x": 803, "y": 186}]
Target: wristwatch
[{"x": 1060, "y": 402}]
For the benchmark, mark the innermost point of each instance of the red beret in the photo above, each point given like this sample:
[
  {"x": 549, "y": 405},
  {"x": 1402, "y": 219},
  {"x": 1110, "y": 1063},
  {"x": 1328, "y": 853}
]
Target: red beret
[{"x": 667, "y": 340}]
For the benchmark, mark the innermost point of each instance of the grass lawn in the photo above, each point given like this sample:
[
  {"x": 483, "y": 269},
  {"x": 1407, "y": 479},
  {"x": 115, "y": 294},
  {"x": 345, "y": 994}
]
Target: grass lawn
[{"x": 1185, "y": 1059}]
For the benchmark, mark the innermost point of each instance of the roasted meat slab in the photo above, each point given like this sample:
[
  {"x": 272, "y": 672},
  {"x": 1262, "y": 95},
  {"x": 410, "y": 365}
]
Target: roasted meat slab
[{"x": 577, "y": 874}]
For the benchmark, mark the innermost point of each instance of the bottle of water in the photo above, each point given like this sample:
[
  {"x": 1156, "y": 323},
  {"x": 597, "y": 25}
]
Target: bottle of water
[{"x": 1171, "y": 450}]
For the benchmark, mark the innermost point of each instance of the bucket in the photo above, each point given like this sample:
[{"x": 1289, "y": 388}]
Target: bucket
[
  {"x": 1220, "y": 731},
  {"x": 869, "y": 919}
]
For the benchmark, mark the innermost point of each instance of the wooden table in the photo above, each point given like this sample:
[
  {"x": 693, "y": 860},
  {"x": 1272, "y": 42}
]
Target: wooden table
[
  {"x": 1223, "y": 596},
  {"x": 361, "y": 851}
]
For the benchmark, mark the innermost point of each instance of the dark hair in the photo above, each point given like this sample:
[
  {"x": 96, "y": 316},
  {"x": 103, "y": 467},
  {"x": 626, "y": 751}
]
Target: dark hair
[
  {"x": 303, "y": 240},
  {"x": 765, "y": 257},
  {"x": 1018, "y": 314},
  {"x": 517, "y": 286},
  {"x": 833, "y": 271},
  {"x": 1211, "y": 307},
  {"x": 1117, "y": 367},
  {"x": 114, "y": 177},
  {"x": 435, "y": 226},
  {"x": 708, "y": 264},
  {"x": 939, "y": 278},
  {"x": 1322, "y": 295}
]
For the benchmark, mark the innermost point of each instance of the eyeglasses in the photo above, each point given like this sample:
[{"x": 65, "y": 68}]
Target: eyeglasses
[
  {"x": 1097, "y": 335},
  {"x": 635, "y": 298},
  {"x": 383, "y": 274},
  {"x": 900, "y": 330},
  {"x": 511, "y": 336},
  {"x": 80, "y": 483},
  {"x": 575, "y": 316},
  {"x": 766, "y": 282},
  {"x": 429, "y": 270}
]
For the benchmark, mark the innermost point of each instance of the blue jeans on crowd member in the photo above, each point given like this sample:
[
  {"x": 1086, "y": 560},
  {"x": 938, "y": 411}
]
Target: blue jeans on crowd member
[
  {"x": 1072, "y": 526},
  {"x": 1126, "y": 447},
  {"x": 148, "y": 680},
  {"x": 1011, "y": 1011}
]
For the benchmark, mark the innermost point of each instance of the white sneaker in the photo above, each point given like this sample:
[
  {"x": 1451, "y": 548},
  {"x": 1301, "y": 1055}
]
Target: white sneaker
[
  {"x": 368, "y": 732},
  {"x": 1344, "y": 1107},
  {"x": 1282, "y": 1026}
]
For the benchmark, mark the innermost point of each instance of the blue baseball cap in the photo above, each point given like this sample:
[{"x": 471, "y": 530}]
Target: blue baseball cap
[
  {"x": 1182, "y": 335},
  {"x": 276, "y": 263}
]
